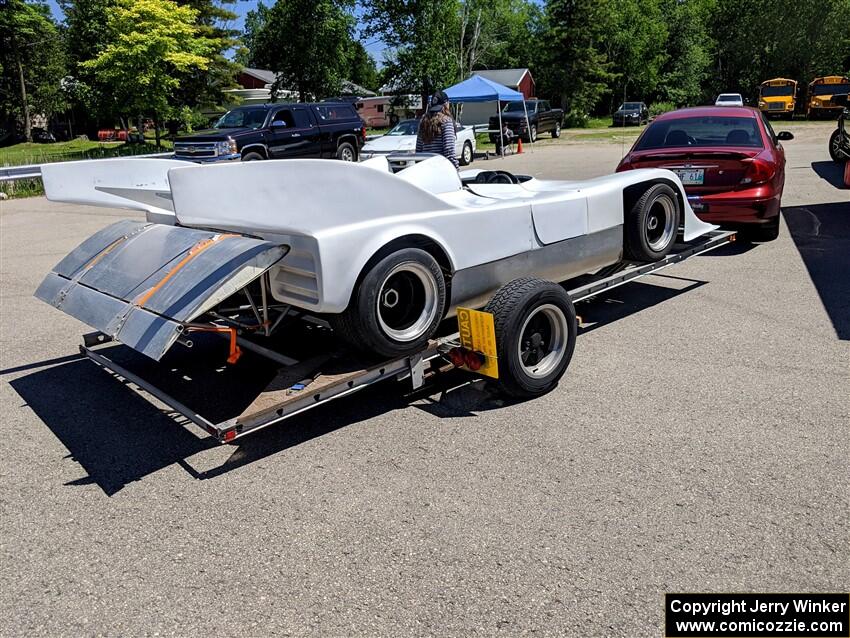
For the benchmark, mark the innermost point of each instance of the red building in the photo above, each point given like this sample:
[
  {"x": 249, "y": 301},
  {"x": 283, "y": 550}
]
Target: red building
[{"x": 516, "y": 79}]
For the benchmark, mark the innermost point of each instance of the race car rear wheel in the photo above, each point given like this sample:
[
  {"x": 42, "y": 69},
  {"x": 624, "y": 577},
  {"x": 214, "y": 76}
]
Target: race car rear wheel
[
  {"x": 651, "y": 224},
  {"x": 536, "y": 328},
  {"x": 397, "y": 305}
]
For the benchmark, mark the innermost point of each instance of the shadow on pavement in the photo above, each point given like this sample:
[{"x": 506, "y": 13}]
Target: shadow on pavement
[
  {"x": 119, "y": 437},
  {"x": 821, "y": 233},
  {"x": 832, "y": 172}
]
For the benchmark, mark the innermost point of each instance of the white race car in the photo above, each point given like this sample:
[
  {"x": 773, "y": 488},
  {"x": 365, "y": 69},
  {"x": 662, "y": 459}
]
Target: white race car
[
  {"x": 402, "y": 139},
  {"x": 382, "y": 257}
]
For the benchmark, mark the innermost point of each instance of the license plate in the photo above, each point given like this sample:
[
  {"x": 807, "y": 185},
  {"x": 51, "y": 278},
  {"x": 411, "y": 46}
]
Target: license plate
[{"x": 690, "y": 175}]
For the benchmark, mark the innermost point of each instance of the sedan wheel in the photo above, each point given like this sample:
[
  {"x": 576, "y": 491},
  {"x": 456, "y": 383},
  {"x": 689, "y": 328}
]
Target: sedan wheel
[{"x": 466, "y": 155}]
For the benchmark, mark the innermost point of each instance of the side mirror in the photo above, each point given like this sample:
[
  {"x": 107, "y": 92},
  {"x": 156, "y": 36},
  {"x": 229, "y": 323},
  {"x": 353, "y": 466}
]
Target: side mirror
[
  {"x": 278, "y": 124},
  {"x": 784, "y": 136}
]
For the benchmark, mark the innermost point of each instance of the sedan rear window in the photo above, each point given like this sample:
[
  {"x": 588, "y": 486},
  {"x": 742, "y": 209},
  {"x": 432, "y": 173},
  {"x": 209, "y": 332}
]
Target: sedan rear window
[{"x": 701, "y": 131}]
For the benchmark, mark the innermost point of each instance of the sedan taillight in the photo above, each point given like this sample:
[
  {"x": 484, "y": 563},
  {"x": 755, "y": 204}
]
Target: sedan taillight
[{"x": 758, "y": 171}]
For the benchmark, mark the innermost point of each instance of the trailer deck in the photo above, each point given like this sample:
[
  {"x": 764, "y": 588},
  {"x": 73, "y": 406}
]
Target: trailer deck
[{"x": 292, "y": 385}]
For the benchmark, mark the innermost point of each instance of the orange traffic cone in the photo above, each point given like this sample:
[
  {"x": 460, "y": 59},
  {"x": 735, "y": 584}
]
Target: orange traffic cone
[{"x": 519, "y": 146}]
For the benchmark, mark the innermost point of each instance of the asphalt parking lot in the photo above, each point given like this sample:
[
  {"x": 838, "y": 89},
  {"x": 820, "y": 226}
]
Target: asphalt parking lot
[{"x": 699, "y": 442}]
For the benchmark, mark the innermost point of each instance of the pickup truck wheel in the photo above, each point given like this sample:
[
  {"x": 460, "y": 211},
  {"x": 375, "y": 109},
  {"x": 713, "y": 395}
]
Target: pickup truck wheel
[
  {"x": 346, "y": 152},
  {"x": 556, "y": 132},
  {"x": 396, "y": 307},
  {"x": 651, "y": 224},
  {"x": 466, "y": 154},
  {"x": 252, "y": 157},
  {"x": 532, "y": 136},
  {"x": 536, "y": 328}
]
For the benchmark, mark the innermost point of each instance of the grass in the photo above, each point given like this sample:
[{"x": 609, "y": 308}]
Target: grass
[{"x": 29, "y": 153}]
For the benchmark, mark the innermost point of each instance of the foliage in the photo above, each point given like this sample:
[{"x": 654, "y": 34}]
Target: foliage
[
  {"x": 657, "y": 108},
  {"x": 690, "y": 46},
  {"x": 32, "y": 63},
  {"x": 151, "y": 45},
  {"x": 362, "y": 69},
  {"x": 574, "y": 71},
  {"x": 203, "y": 87},
  {"x": 420, "y": 37},
  {"x": 305, "y": 42}
]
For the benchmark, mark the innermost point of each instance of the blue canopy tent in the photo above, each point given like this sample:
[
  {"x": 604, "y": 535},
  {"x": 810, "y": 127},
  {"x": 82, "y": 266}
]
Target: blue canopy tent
[{"x": 480, "y": 89}]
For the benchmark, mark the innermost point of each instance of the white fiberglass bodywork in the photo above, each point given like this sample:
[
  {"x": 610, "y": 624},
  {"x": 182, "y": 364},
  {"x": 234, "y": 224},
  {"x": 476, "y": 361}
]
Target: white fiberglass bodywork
[{"x": 334, "y": 217}]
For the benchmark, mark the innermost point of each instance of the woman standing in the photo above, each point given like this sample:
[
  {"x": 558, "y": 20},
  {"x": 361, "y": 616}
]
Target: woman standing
[{"x": 437, "y": 129}]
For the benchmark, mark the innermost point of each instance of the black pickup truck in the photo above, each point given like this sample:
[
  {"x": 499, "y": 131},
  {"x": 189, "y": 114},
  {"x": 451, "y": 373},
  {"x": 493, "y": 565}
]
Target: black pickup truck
[
  {"x": 278, "y": 131},
  {"x": 542, "y": 118}
]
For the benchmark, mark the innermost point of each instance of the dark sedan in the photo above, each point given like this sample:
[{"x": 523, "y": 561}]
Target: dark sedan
[
  {"x": 630, "y": 113},
  {"x": 729, "y": 160}
]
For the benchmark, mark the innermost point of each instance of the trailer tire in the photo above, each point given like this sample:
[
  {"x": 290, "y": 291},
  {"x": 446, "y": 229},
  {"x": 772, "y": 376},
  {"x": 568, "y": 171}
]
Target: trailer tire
[
  {"x": 651, "y": 224},
  {"x": 535, "y": 325},
  {"x": 397, "y": 305}
]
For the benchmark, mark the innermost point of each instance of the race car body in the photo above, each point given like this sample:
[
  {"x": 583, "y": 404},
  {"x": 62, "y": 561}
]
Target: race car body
[{"x": 385, "y": 257}]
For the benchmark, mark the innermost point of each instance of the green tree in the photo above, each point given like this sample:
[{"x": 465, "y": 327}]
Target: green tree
[
  {"x": 305, "y": 42},
  {"x": 203, "y": 87},
  {"x": 362, "y": 69},
  {"x": 255, "y": 22},
  {"x": 573, "y": 68},
  {"x": 32, "y": 63},
  {"x": 421, "y": 37},
  {"x": 496, "y": 34},
  {"x": 151, "y": 45},
  {"x": 690, "y": 48},
  {"x": 634, "y": 42}
]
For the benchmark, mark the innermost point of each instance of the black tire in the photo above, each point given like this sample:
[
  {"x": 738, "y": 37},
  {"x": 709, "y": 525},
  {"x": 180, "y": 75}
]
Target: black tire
[
  {"x": 761, "y": 233},
  {"x": 536, "y": 327},
  {"x": 346, "y": 152},
  {"x": 556, "y": 132},
  {"x": 651, "y": 224},
  {"x": 834, "y": 143},
  {"x": 374, "y": 326},
  {"x": 465, "y": 158},
  {"x": 532, "y": 134},
  {"x": 252, "y": 157}
]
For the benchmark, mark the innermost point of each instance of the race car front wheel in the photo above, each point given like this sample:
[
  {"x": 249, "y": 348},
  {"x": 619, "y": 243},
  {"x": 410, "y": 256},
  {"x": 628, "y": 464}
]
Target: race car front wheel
[
  {"x": 651, "y": 223},
  {"x": 397, "y": 305},
  {"x": 535, "y": 324}
]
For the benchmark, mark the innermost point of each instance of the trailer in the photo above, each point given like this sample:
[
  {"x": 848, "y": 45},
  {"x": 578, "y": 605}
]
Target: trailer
[{"x": 482, "y": 345}]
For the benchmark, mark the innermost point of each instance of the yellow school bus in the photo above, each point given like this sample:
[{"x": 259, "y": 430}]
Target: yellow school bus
[
  {"x": 778, "y": 97},
  {"x": 820, "y": 95}
]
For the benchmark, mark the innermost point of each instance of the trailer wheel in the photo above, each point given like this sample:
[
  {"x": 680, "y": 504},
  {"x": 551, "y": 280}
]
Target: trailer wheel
[
  {"x": 651, "y": 224},
  {"x": 535, "y": 325},
  {"x": 396, "y": 307}
]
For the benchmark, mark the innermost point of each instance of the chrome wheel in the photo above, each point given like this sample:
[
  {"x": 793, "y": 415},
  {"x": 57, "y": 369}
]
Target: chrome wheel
[
  {"x": 407, "y": 301},
  {"x": 467, "y": 154},
  {"x": 543, "y": 341},
  {"x": 346, "y": 154},
  {"x": 533, "y": 136},
  {"x": 660, "y": 227}
]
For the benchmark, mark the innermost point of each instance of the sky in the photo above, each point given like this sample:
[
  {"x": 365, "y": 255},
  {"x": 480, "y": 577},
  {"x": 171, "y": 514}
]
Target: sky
[{"x": 241, "y": 8}]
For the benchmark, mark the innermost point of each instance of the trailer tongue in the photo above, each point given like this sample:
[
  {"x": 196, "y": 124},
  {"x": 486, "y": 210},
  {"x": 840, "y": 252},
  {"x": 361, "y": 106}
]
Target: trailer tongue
[{"x": 142, "y": 283}]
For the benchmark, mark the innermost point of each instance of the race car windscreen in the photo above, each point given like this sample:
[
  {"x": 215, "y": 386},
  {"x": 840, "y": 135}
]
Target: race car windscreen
[{"x": 701, "y": 131}]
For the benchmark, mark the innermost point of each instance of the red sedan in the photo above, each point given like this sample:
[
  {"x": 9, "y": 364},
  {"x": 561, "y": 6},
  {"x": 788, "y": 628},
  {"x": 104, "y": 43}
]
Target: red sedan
[{"x": 729, "y": 159}]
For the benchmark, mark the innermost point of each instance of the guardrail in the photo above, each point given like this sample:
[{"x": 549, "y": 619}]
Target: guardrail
[{"x": 30, "y": 171}]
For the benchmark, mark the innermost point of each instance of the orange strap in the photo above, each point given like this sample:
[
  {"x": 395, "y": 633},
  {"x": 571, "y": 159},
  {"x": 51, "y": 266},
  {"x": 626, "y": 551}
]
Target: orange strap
[
  {"x": 196, "y": 250},
  {"x": 235, "y": 350}
]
